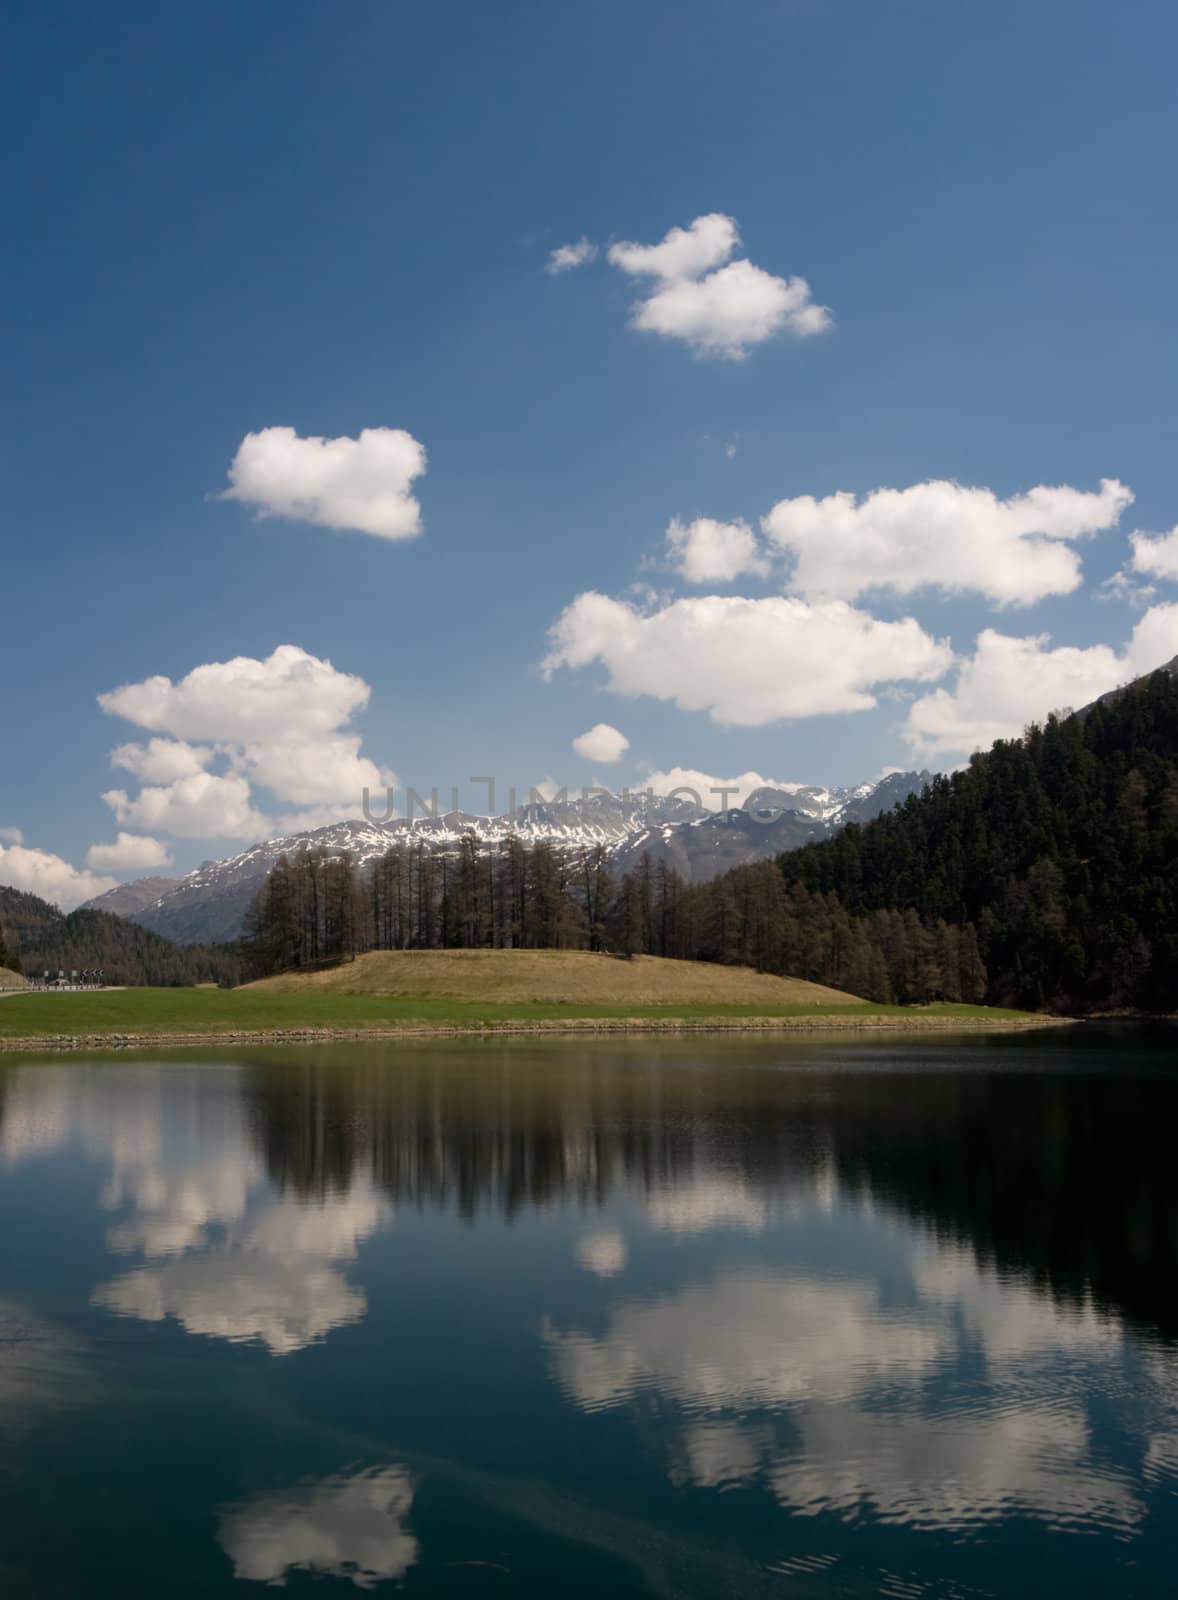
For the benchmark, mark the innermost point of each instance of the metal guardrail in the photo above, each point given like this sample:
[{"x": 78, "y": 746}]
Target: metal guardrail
[{"x": 59, "y": 988}]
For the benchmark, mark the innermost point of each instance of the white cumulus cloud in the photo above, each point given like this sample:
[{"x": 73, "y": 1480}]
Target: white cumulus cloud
[
  {"x": 1009, "y": 682},
  {"x": 278, "y": 723},
  {"x": 1156, "y": 555},
  {"x": 204, "y": 806},
  {"x": 360, "y": 484},
  {"x": 747, "y": 662},
  {"x": 11, "y": 836},
  {"x": 288, "y": 694},
  {"x": 130, "y": 852},
  {"x": 718, "y": 306},
  {"x": 942, "y": 535},
  {"x": 601, "y": 743},
  {"x": 707, "y": 551},
  {"x": 567, "y": 256},
  {"x": 49, "y": 877}
]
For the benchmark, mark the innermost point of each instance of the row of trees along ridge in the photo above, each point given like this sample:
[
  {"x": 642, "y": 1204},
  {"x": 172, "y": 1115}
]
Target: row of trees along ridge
[{"x": 316, "y": 908}]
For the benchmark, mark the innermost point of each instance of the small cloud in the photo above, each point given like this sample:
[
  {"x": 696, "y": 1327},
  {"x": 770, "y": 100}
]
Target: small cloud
[
  {"x": 601, "y": 743},
  {"x": 707, "y": 551},
  {"x": 131, "y": 852},
  {"x": 727, "y": 447},
  {"x": 1124, "y": 586},
  {"x": 11, "y": 836},
  {"x": 718, "y": 306},
  {"x": 359, "y": 484},
  {"x": 567, "y": 256}
]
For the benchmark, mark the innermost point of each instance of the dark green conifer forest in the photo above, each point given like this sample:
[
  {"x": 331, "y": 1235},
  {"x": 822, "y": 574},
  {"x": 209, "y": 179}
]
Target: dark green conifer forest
[
  {"x": 1060, "y": 848},
  {"x": 9, "y": 960},
  {"x": 40, "y": 938}
]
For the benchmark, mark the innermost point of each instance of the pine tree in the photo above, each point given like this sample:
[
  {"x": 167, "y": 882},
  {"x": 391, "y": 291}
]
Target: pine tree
[{"x": 9, "y": 959}]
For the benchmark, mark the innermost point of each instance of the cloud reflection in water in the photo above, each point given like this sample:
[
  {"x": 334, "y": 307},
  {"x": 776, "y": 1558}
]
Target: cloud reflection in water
[
  {"x": 343, "y": 1526},
  {"x": 836, "y": 1401}
]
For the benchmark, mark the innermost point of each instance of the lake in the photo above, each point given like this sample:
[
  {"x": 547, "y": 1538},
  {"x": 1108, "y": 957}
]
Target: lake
[{"x": 809, "y": 1317}]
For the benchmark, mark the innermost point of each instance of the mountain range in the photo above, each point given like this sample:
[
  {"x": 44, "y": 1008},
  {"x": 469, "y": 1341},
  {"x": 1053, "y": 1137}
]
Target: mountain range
[{"x": 209, "y": 904}]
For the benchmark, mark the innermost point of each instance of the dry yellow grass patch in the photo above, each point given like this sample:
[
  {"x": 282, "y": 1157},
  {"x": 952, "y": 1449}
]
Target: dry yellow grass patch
[
  {"x": 12, "y": 980},
  {"x": 553, "y": 977}
]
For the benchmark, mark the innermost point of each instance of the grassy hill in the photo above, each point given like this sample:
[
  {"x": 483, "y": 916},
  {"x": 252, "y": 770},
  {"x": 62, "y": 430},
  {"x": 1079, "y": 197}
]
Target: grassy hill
[
  {"x": 464, "y": 991},
  {"x": 12, "y": 980},
  {"x": 552, "y": 977}
]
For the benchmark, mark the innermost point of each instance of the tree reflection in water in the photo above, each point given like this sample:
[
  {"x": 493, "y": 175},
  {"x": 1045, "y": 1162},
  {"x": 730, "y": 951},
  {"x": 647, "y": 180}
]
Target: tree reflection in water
[{"x": 1066, "y": 1178}]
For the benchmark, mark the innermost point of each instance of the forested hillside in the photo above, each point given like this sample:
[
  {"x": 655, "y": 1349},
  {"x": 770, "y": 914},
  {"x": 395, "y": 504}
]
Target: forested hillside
[
  {"x": 1061, "y": 847},
  {"x": 44, "y": 939}
]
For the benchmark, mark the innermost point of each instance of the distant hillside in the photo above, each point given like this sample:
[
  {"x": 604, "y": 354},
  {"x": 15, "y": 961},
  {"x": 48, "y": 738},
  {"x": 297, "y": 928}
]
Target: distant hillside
[
  {"x": 575, "y": 977},
  {"x": 45, "y": 939},
  {"x": 132, "y": 899},
  {"x": 1061, "y": 847}
]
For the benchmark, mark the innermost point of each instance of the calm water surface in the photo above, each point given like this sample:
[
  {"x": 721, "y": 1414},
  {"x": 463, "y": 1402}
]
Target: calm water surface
[{"x": 804, "y": 1319}]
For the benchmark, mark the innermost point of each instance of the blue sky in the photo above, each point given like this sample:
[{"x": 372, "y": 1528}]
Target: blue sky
[{"x": 329, "y": 219}]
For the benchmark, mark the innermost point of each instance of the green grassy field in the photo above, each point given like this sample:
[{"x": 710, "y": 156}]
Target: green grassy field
[{"x": 161, "y": 1013}]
